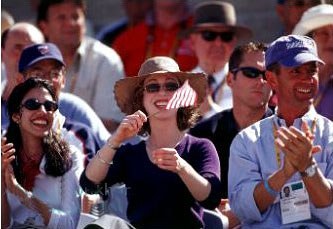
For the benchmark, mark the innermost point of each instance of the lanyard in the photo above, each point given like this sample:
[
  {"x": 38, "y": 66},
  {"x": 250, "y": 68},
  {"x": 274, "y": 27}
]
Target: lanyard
[{"x": 276, "y": 148}]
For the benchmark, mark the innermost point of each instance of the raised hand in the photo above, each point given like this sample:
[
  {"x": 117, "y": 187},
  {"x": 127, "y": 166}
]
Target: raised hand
[
  {"x": 129, "y": 127},
  {"x": 7, "y": 155},
  {"x": 297, "y": 145}
]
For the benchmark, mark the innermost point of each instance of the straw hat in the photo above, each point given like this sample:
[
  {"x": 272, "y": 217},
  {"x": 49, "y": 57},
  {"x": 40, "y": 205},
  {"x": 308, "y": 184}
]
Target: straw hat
[
  {"x": 217, "y": 14},
  {"x": 314, "y": 18},
  {"x": 125, "y": 89}
]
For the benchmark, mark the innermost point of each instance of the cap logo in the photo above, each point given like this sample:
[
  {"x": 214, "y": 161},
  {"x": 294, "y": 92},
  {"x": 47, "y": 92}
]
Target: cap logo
[
  {"x": 43, "y": 49},
  {"x": 298, "y": 44}
]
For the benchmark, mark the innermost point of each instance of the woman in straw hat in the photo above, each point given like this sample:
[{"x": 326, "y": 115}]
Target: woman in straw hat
[{"x": 170, "y": 175}]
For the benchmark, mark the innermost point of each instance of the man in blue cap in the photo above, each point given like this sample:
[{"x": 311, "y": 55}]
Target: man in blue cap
[{"x": 292, "y": 148}]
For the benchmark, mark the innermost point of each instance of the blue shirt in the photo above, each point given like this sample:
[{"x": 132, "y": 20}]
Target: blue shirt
[{"x": 252, "y": 159}]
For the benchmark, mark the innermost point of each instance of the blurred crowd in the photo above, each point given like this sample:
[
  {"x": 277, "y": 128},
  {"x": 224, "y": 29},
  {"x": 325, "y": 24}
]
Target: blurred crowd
[{"x": 89, "y": 138}]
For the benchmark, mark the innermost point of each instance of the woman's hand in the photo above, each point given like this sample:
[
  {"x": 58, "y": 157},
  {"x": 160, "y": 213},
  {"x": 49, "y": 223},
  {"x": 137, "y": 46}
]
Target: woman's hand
[
  {"x": 129, "y": 127},
  {"x": 168, "y": 159},
  {"x": 7, "y": 156}
]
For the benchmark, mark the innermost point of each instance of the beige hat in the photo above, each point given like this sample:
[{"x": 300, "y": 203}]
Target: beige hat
[
  {"x": 314, "y": 18},
  {"x": 125, "y": 89},
  {"x": 218, "y": 14}
]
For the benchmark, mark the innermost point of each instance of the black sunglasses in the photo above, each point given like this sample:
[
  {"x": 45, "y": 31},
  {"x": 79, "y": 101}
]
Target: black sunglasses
[
  {"x": 155, "y": 87},
  {"x": 211, "y": 35},
  {"x": 34, "y": 104},
  {"x": 250, "y": 72}
]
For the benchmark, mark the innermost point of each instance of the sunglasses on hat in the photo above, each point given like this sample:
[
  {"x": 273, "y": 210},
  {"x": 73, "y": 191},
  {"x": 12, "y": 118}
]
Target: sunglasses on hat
[
  {"x": 211, "y": 35},
  {"x": 34, "y": 104},
  {"x": 155, "y": 87},
  {"x": 250, "y": 72}
]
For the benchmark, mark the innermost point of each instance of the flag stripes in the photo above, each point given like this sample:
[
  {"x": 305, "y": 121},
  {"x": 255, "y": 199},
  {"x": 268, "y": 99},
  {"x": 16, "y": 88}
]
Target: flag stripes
[{"x": 184, "y": 96}]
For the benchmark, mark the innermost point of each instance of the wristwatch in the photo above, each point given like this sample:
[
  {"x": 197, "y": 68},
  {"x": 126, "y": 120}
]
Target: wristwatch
[{"x": 309, "y": 171}]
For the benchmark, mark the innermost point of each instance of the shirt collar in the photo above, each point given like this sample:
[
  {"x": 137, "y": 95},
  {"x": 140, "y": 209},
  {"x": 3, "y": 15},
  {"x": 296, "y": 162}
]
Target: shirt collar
[{"x": 308, "y": 117}]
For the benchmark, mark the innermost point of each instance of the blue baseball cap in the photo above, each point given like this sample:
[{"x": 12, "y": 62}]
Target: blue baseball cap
[
  {"x": 37, "y": 52},
  {"x": 292, "y": 51}
]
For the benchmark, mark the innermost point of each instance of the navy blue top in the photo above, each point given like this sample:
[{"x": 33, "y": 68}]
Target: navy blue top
[
  {"x": 158, "y": 198},
  {"x": 221, "y": 129}
]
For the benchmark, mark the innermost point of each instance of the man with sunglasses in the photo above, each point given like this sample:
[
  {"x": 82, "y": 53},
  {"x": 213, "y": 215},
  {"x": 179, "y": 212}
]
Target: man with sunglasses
[
  {"x": 293, "y": 147},
  {"x": 213, "y": 36},
  {"x": 250, "y": 93}
]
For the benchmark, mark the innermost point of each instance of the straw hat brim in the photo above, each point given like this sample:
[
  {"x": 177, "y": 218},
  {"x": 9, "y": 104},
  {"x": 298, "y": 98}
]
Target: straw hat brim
[
  {"x": 307, "y": 26},
  {"x": 125, "y": 89}
]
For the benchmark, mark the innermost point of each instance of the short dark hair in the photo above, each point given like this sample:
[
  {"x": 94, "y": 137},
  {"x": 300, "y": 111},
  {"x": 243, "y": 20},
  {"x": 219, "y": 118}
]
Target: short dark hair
[
  {"x": 237, "y": 55},
  {"x": 186, "y": 117},
  {"x": 44, "y": 5},
  {"x": 57, "y": 152},
  {"x": 275, "y": 67}
]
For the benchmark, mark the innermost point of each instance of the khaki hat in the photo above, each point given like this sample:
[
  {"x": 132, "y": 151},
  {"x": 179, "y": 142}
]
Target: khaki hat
[
  {"x": 314, "y": 18},
  {"x": 125, "y": 89},
  {"x": 218, "y": 14}
]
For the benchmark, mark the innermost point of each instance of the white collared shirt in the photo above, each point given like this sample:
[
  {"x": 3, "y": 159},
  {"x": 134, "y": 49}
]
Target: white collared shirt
[{"x": 61, "y": 194}]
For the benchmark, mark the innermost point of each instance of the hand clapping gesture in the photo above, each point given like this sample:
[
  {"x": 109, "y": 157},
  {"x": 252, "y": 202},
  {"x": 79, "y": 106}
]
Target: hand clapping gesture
[{"x": 297, "y": 145}]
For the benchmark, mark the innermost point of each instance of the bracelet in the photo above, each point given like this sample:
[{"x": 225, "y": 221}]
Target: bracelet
[
  {"x": 102, "y": 160},
  {"x": 111, "y": 146},
  {"x": 26, "y": 200},
  {"x": 271, "y": 191}
]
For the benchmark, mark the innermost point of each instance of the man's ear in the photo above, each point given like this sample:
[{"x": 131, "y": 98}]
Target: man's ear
[
  {"x": 271, "y": 79},
  {"x": 43, "y": 27},
  {"x": 230, "y": 79}
]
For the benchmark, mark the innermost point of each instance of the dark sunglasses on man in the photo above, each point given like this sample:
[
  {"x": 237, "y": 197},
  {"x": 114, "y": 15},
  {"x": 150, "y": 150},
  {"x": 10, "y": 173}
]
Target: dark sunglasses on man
[
  {"x": 250, "y": 72},
  {"x": 34, "y": 104},
  {"x": 209, "y": 36}
]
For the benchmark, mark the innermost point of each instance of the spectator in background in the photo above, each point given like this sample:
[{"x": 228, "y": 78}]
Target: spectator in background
[
  {"x": 13, "y": 41},
  {"x": 171, "y": 178},
  {"x": 45, "y": 61},
  {"x": 7, "y": 20},
  {"x": 213, "y": 38},
  {"x": 292, "y": 147},
  {"x": 159, "y": 35},
  {"x": 92, "y": 68},
  {"x": 135, "y": 10},
  {"x": 39, "y": 183},
  {"x": 250, "y": 93},
  {"x": 290, "y": 12},
  {"x": 317, "y": 22}
]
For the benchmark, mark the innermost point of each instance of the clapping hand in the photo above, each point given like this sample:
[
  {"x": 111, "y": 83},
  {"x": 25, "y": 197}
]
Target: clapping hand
[
  {"x": 297, "y": 145},
  {"x": 7, "y": 156}
]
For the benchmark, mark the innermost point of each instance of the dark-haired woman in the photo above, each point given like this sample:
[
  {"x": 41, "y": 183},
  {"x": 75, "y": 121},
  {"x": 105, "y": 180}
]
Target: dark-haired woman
[
  {"x": 39, "y": 187},
  {"x": 171, "y": 176}
]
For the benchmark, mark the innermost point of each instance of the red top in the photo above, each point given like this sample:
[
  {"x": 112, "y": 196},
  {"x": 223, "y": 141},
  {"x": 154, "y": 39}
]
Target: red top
[{"x": 135, "y": 45}]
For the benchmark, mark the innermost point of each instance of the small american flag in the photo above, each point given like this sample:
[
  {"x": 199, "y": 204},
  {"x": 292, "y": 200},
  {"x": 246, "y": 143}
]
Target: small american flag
[{"x": 184, "y": 96}]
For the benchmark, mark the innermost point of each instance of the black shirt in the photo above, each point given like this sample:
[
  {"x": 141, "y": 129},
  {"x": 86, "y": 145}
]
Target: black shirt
[{"x": 221, "y": 130}]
